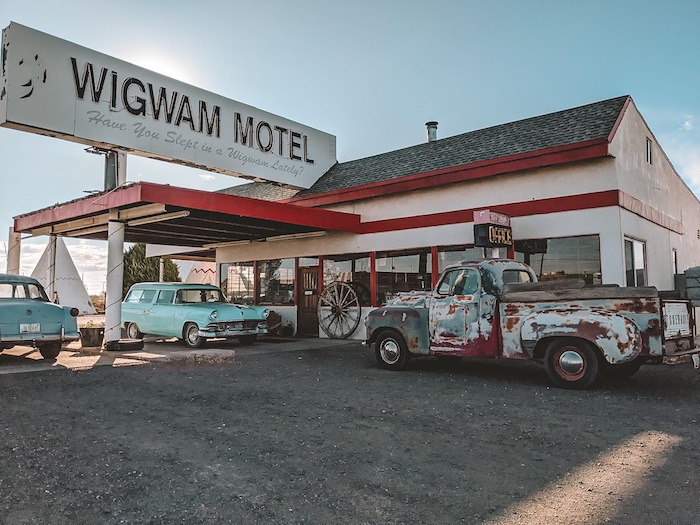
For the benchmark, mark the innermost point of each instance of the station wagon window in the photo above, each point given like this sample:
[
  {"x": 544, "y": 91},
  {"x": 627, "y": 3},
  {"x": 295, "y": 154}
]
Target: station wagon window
[
  {"x": 22, "y": 291},
  {"x": 134, "y": 296},
  {"x": 165, "y": 297},
  {"x": 199, "y": 296},
  {"x": 462, "y": 281},
  {"x": 140, "y": 296}
]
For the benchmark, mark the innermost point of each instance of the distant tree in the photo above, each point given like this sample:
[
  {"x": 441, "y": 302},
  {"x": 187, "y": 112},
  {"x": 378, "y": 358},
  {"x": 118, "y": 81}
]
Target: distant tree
[{"x": 138, "y": 268}]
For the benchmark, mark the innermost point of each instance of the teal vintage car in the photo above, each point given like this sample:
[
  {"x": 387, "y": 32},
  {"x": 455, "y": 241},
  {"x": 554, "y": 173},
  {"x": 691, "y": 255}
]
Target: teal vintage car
[
  {"x": 191, "y": 312},
  {"x": 27, "y": 317}
]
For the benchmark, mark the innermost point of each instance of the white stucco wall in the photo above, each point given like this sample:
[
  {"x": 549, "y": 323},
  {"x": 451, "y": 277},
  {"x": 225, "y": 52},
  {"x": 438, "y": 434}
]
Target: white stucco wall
[{"x": 659, "y": 186}]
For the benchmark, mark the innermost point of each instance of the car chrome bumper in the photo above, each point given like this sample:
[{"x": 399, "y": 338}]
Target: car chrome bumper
[{"x": 232, "y": 332}]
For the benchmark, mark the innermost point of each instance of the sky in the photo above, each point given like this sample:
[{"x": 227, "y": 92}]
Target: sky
[{"x": 370, "y": 72}]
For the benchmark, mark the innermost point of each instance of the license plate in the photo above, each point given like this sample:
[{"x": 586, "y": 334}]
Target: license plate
[
  {"x": 29, "y": 328},
  {"x": 696, "y": 361}
]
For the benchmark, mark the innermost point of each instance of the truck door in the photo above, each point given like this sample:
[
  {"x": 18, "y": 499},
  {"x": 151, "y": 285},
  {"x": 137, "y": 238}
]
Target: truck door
[{"x": 456, "y": 324}]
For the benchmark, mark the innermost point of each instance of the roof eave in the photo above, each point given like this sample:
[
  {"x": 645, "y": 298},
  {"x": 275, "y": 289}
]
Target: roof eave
[{"x": 558, "y": 155}]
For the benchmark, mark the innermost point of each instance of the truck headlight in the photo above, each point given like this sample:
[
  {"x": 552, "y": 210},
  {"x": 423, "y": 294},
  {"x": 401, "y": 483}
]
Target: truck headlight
[
  {"x": 265, "y": 313},
  {"x": 214, "y": 315}
]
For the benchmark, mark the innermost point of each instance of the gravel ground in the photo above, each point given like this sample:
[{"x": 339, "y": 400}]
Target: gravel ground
[{"x": 325, "y": 436}]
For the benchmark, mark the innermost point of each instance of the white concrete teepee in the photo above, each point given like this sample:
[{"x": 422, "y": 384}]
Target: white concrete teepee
[
  {"x": 202, "y": 273},
  {"x": 69, "y": 287}
]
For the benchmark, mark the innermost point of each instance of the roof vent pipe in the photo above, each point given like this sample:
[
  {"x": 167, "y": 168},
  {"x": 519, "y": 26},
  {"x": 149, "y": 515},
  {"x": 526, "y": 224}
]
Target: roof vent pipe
[{"x": 432, "y": 130}]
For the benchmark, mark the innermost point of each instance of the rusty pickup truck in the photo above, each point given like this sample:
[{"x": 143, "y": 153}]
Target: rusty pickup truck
[{"x": 495, "y": 308}]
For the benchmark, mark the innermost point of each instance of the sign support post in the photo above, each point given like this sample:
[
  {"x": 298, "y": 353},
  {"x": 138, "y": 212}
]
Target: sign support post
[{"x": 115, "y": 176}]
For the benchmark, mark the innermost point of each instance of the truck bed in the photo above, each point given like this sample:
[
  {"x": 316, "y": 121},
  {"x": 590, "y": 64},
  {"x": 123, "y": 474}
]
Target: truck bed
[{"x": 572, "y": 289}]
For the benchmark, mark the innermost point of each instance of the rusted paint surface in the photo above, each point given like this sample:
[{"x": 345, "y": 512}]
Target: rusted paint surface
[
  {"x": 624, "y": 323},
  {"x": 622, "y": 329},
  {"x": 409, "y": 322}
]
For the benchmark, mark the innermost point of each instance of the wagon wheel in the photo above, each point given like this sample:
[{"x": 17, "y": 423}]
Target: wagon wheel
[{"x": 339, "y": 310}]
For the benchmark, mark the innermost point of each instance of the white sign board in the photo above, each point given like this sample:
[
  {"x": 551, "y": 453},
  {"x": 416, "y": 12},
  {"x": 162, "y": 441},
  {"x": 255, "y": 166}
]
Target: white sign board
[
  {"x": 54, "y": 87},
  {"x": 491, "y": 217}
]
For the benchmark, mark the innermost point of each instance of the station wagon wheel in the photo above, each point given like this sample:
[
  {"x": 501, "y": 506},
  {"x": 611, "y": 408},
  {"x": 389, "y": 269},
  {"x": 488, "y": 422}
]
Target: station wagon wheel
[
  {"x": 391, "y": 350},
  {"x": 190, "y": 334},
  {"x": 132, "y": 331},
  {"x": 571, "y": 363},
  {"x": 339, "y": 310},
  {"x": 50, "y": 350}
]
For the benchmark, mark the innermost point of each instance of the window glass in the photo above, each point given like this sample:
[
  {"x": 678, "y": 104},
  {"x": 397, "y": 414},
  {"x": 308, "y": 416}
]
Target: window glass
[
  {"x": 305, "y": 262},
  {"x": 402, "y": 272},
  {"x": 165, "y": 297},
  {"x": 276, "y": 281},
  {"x": 635, "y": 263},
  {"x": 36, "y": 293},
  {"x": 6, "y": 291},
  {"x": 147, "y": 296},
  {"x": 453, "y": 254},
  {"x": 515, "y": 276},
  {"x": 463, "y": 281},
  {"x": 20, "y": 292},
  {"x": 562, "y": 258},
  {"x": 237, "y": 282},
  {"x": 134, "y": 296},
  {"x": 349, "y": 268}
]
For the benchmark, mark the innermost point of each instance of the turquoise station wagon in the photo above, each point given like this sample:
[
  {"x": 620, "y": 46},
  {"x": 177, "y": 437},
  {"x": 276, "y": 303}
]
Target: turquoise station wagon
[
  {"x": 191, "y": 312},
  {"x": 27, "y": 317}
]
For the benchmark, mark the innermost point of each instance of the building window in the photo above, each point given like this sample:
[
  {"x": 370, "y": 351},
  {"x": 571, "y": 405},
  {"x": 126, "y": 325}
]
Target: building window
[
  {"x": 402, "y": 272},
  {"x": 453, "y": 254},
  {"x": 350, "y": 268},
  {"x": 308, "y": 262},
  {"x": 650, "y": 150},
  {"x": 276, "y": 281},
  {"x": 237, "y": 282},
  {"x": 635, "y": 263},
  {"x": 674, "y": 260},
  {"x": 562, "y": 258}
]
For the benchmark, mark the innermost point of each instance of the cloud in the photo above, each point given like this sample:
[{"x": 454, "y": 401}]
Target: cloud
[
  {"x": 687, "y": 124},
  {"x": 685, "y": 156}
]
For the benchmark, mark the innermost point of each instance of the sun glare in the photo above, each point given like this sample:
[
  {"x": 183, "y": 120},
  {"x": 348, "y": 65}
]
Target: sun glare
[{"x": 165, "y": 65}]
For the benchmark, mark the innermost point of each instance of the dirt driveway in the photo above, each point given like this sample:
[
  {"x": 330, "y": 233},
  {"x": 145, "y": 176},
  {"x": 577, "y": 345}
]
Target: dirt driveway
[{"x": 323, "y": 435}]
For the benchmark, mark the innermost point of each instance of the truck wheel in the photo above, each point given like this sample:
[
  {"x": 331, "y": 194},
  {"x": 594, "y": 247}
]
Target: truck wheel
[
  {"x": 571, "y": 363},
  {"x": 391, "y": 351},
  {"x": 190, "y": 334},
  {"x": 50, "y": 350},
  {"x": 623, "y": 371},
  {"x": 132, "y": 331}
]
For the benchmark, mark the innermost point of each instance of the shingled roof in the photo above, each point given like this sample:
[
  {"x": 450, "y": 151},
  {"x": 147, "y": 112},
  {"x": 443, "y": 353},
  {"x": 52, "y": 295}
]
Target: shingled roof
[{"x": 570, "y": 126}]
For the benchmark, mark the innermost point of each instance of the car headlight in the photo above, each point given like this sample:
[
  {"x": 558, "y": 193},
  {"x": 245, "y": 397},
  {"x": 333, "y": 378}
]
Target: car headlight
[
  {"x": 265, "y": 313},
  {"x": 214, "y": 315}
]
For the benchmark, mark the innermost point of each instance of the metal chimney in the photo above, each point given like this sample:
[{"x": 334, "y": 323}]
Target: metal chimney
[{"x": 432, "y": 130}]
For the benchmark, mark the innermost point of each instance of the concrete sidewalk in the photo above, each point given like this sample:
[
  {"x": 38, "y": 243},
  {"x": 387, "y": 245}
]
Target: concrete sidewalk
[
  {"x": 22, "y": 359},
  {"x": 158, "y": 349}
]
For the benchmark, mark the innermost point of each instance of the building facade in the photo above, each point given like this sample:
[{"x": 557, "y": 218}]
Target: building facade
[{"x": 589, "y": 190}]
